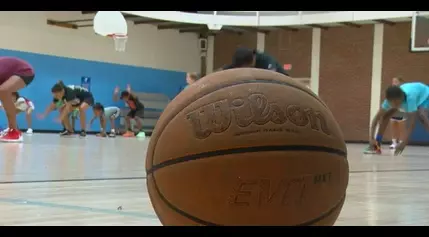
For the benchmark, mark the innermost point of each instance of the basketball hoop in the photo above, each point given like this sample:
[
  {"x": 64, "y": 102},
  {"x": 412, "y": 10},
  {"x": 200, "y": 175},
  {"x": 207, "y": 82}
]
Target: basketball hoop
[
  {"x": 120, "y": 41},
  {"x": 112, "y": 24}
]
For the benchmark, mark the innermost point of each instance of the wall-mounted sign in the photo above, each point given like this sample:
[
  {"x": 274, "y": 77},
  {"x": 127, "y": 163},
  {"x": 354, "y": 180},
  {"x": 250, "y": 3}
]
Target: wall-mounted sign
[
  {"x": 86, "y": 83},
  {"x": 287, "y": 67}
]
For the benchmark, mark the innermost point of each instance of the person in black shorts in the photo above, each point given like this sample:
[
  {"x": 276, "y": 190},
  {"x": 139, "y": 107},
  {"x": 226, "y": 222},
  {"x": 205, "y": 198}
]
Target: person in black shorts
[
  {"x": 136, "y": 110},
  {"x": 73, "y": 97},
  {"x": 245, "y": 57}
]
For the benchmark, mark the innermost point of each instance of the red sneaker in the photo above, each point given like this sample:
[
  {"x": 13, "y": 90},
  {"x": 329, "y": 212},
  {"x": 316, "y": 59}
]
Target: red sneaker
[{"x": 12, "y": 135}]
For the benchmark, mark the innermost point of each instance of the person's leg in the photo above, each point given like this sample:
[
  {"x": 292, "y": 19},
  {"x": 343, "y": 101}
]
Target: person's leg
[
  {"x": 129, "y": 132},
  {"x": 103, "y": 127},
  {"x": 64, "y": 127},
  {"x": 139, "y": 121},
  {"x": 130, "y": 115},
  {"x": 67, "y": 130},
  {"x": 82, "y": 117},
  {"x": 402, "y": 130},
  {"x": 112, "y": 118},
  {"x": 28, "y": 117},
  {"x": 112, "y": 127},
  {"x": 394, "y": 127},
  {"x": 17, "y": 112},
  {"x": 67, "y": 125},
  {"x": 73, "y": 120},
  {"x": 13, "y": 84}
]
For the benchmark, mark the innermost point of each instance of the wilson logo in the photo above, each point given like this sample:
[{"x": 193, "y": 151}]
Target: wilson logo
[{"x": 218, "y": 116}]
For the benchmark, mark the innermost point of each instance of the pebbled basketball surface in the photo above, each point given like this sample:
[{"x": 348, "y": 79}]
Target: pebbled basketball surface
[{"x": 247, "y": 147}]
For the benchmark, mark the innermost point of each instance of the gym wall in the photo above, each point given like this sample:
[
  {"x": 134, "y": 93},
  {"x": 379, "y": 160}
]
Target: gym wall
[
  {"x": 155, "y": 61},
  {"x": 225, "y": 44},
  {"x": 345, "y": 74}
]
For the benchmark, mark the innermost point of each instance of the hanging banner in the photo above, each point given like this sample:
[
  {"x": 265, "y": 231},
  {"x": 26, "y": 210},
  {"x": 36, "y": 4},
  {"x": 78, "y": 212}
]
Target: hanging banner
[{"x": 86, "y": 83}]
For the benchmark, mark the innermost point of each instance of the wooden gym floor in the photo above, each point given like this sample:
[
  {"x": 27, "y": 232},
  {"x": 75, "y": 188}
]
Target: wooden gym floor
[{"x": 91, "y": 181}]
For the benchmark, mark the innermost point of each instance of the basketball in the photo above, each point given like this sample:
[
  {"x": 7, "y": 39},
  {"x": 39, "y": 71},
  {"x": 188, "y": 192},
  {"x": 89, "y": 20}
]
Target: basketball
[{"x": 247, "y": 147}]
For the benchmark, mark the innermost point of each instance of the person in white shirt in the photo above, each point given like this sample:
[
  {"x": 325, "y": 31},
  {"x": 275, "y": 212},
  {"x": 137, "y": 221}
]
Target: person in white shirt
[
  {"x": 23, "y": 104},
  {"x": 109, "y": 113}
]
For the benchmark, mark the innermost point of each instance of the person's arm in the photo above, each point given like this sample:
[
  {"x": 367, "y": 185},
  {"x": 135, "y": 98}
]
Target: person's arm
[
  {"x": 381, "y": 119},
  {"x": 103, "y": 123},
  {"x": 265, "y": 61},
  {"x": 375, "y": 121},
  {"x": 422, "y": 116},
  {"x": 116, "y": 94},
  {"x": 281, "y": 70},
  {"x": 130, "y": 91},
  {"x": 50, "y": 108},
  {"x": 411, "y": 118},
  {"x": 92, "y": 119}
]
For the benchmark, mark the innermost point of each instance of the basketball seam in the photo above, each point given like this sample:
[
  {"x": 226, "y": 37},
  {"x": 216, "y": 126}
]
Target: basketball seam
[
  {"x": 249, "y": 81},
  {"x": 211, "y": 154},
  {"x": 207, "y": 223},
  {"x": 324, "y": 215},
  {"x": 268, "y": 81}
]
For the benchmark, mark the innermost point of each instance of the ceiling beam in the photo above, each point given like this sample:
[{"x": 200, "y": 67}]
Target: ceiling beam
[
  {"x": 319, "y": 26},
  {"x": 390, "y": 23},
  {"x": 85, "y": 25},
  {"x": 76, "y": 21},
  {"x": 350, "y": 24},
  {"x": 62, "y": 24},
  {"x": 232, "y": 30},
  {"x": 252, "y": 29},
  {"x": 174, "y": 26},
  {"x": 288, "y": 28},
  {"x": 198, "y": 29},
  {"x": 138, "y": 22},
  {"x": 94, "y": 12}
]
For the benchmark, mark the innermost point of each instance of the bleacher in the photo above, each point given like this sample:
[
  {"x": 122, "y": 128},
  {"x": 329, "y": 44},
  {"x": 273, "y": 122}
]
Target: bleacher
[{"x": 154, "y": 105}]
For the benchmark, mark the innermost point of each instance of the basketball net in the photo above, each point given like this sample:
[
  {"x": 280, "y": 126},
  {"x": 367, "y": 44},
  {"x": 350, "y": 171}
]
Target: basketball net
[{"x": 120, "y": 41}]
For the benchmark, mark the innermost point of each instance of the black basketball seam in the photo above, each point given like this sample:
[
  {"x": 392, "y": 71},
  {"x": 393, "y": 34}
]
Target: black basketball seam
[
  {"x": 324, "y": 215},
  {"x": 179, "y": 211},
  {"x": 271, "y": 81},
  {"x": 211, "y": 154},
  {"x": 206, "y": 223}
]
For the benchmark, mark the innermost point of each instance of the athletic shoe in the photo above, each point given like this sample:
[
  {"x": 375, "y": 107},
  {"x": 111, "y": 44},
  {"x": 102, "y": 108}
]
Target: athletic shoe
[
  {"x": 373, "y": 149},
  {"x": 102, "y": 134},
  {"x": 2, "y": 133},
  {"x": 129, "y": 134},
  {"x": 65, "y": 133},
  {"x": 12, "y": 135},
  {"x": 112, "y": 134},
  {"x": 82, "y": 134},
  {"x": 393, "y": 146},
  {"x": 141, "y": 134},
  {"x": 29, "y": 131}
]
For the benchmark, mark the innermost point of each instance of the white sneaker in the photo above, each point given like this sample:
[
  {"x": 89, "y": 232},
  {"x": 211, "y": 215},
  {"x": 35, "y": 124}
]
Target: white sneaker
[
  {"x": 2, "y": 133},
  {"x": 393, "y": 146},
  {"x": 29, "y": 131}
]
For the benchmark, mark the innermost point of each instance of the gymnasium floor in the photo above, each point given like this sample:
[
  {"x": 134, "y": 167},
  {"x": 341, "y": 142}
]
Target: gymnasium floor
[{"x": 91, "y": 181}]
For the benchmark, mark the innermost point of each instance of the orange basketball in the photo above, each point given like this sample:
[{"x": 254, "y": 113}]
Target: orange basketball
[{"x": 247, "y": 147}]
